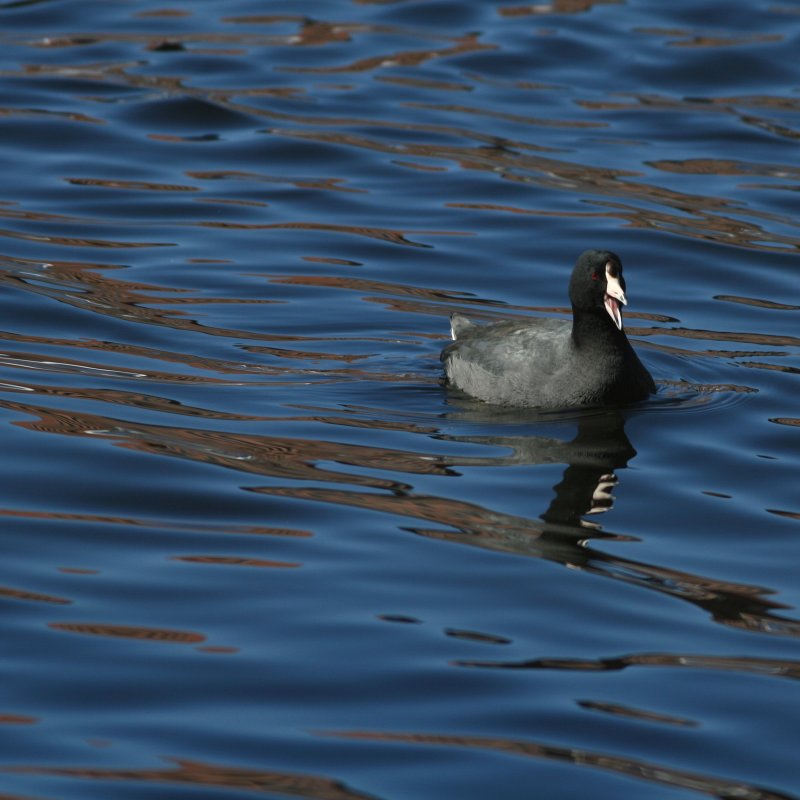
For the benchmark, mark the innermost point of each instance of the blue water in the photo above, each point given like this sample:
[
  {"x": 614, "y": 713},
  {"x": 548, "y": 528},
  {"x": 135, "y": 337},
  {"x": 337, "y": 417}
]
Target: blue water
[{"x": 251, "y": 544}]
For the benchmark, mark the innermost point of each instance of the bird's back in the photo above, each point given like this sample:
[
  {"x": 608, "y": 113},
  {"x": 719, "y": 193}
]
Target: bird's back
[{"x": 516, "y": 362}]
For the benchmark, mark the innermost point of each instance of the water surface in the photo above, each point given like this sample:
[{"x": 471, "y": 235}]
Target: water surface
[{"x": 251, "y": 544}]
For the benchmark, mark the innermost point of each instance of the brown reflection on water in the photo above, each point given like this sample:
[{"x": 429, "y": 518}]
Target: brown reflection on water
[
  {"x": 717, "y": 166},
  {"x": 367, "y": 285},
  {"x": 772, "y": 305},
  {"x": 206, "y": 775},
  {"x": 283, "y": 352},
  {"x": 390, "y": 235},
  {"x": 150, "y": 524},
  {"x": 764, "y": 339},
  {"x": 706, "y": 353},
  {"x": 518, "y": 118},
  {"x": 555, "y": 7},
  {"x": 199, "y": 362},
  {"x": 466, "y": 156},
  {"x": 154, "y": 42},
  {"x": 136, "y": 186},
  {"x": 129, "y": 632},
  {"x": 310, "y": 32},
  {"x": 273, "y": 456},
  {"x": 780, "y": 668},
  {"x": 118, "y": 397},
  {"x": 237, "y": 561},
  {"x": 721, "y": 105},
  {"x": 785, "y": 514},
  {"x": 628, "y": 712},
  {"x": 163, "y": 12},
  {"x": 342, "y": 262},
  {"x": 33, "y": 597},
  {"x": 17, "y": 719},
  {"x": 630, "y": 767},
  {"x": 359, "y": 417},
  {"x": 71, "y": 241},
  {"x": 791, "y": 421},
  {"x": 692, "y": 39},
  {"x": 474, "y": 524},
  {"x": 425, "y": 83},
  {"x": 320, "y": 184},
  {"x": 408, "y": 58},
  {"x": 71, "y": 116},
  {"x": 771, "y": 367},
  {"x": 78, "y": 571},
  {"x": 704, "y": 105}
]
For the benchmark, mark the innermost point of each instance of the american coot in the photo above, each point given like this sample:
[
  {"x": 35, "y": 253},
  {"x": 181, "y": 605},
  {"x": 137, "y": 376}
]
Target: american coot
[{"x": 549, "y": 363}]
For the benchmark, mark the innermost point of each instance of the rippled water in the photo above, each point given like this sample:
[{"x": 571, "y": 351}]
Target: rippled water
[{"x": 251, "y": 544}]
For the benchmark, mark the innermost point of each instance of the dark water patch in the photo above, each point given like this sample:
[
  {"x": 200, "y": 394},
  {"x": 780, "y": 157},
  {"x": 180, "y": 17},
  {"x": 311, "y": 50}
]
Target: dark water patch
[
  {"x": 401, "y": 618},
  {"x": 181, "y": 114}
]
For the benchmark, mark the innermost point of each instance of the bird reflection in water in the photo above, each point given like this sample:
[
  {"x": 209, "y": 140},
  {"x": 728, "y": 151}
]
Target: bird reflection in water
[
  {"x": 599, "y": 447},
  {"x": 562, "y": 534}
]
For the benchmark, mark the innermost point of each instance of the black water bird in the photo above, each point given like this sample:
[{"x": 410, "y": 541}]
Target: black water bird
[{"x": 549, "y": 363}]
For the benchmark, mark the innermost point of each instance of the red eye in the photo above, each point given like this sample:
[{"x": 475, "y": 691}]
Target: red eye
[{"x": 595, "y": 276}]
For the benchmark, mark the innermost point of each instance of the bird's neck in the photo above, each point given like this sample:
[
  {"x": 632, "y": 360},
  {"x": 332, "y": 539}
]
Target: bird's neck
[{"x": 595, "y": 329}]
